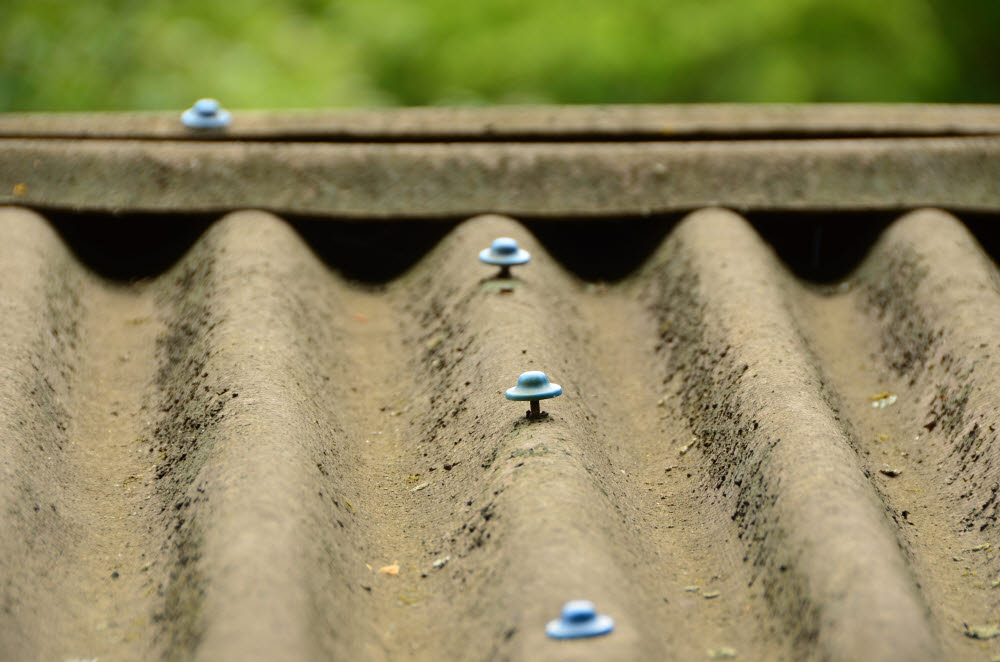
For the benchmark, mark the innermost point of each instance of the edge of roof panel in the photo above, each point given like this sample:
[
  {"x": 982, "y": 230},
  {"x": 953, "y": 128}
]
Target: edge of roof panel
[
  {"x": 581, "y": 122},
  {"x": 574, "y": 161}
]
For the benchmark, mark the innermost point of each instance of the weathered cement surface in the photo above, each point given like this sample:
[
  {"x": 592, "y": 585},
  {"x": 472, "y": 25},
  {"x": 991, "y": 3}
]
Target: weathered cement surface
[
  {"x": 215, "y": 464},
  {"x": 448, "y": 180},
  {"x": 654, "y": 122}
]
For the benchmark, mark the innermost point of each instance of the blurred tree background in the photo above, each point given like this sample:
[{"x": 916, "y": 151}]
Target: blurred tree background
[{"x": 153, "y": 54}]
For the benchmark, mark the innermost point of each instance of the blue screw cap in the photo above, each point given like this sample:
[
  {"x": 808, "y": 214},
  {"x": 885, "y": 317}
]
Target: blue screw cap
[
  {"x": 206, "y": 114},
  {"x": 579, "y": 619},
  {"x": 533, "y": 385},
  {"x": 504, "y": 252}
]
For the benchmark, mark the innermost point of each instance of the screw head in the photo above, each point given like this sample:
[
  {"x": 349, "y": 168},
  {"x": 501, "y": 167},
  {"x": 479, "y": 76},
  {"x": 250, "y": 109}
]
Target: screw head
[
  {"x": 206, "y": 107},
  {"x": 504, "y": 246},
  {"x": 205, "y": 114},
  {"x": 579, "y": 619},
  {"x": 533, "y": 385},
  {"x": 532, "y": 379},
  {"x": 577, "y": 611},
  {"x": 504, "y": 252}
]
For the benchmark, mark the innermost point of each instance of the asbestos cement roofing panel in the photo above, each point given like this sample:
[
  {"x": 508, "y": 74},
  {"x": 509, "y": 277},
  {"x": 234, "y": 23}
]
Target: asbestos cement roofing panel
[{"x": 250, "y": 456}]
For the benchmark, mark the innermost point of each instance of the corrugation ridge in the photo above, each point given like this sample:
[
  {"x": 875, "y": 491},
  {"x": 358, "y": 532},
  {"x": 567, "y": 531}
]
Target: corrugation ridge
[
  {"x": 931, "y": 296},
  {"x": 38, "y": 336},
  {"x": 543, "y": 525},
  {"x": 830, "y": 568},
  {"x": 935, "y": 295},
  {"x": 244, "y": 426},
  {"x": 911, "y": 333}
]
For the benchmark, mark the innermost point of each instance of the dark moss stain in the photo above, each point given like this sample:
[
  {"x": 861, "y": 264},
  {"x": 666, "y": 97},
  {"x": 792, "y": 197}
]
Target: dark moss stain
[
  {"x": 535, "y": 451},
  {"x": 984, "y": 514},
  {"x": 712, "y": 384},
  {"x": 915, "y": 349},
  {"x": 191, "y": 403},
  {"x": 445, "y": 347},
  {"x": 946, "y": 413},
  {"x": 478, "y": 529},
  {"x": 180, "y": 619},
  {"x": 907, "y": 337},
  {"x": 191, "y": 400}
]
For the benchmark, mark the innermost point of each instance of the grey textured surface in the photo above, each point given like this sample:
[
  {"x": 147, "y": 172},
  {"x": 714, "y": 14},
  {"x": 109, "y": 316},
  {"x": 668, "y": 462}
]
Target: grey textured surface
[
  {"x": 403, "y": 180},
  {"x": 216, "y": 463},
  {"x": 650, "y": 122},
  {"x": 251, "y": 457}
]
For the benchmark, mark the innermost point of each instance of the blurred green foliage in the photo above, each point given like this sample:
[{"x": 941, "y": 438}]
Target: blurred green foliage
[{"x": 149, "y": 54}]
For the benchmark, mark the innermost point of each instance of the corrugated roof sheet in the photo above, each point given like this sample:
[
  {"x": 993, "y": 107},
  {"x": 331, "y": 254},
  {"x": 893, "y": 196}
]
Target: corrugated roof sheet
[{"x": 218, "y": 462}]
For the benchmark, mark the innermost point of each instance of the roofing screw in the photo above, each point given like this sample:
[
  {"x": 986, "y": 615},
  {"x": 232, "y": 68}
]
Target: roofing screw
[
  {"x": 579, "y": 619},
  {"x": 205, "y": 114},
  {"x": 533, "y": 386},
  {"x": 504, "y": 253}
]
